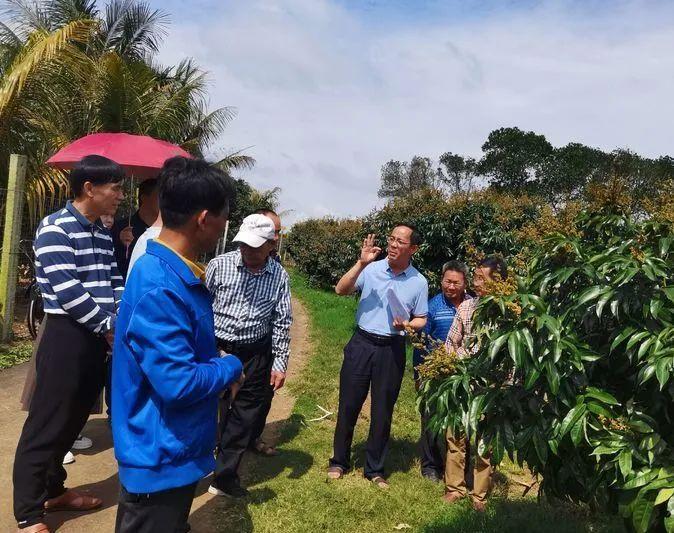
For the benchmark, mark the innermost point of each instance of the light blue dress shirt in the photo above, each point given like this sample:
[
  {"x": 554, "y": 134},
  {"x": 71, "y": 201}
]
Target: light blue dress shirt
[{"x": 374, "y": 314}]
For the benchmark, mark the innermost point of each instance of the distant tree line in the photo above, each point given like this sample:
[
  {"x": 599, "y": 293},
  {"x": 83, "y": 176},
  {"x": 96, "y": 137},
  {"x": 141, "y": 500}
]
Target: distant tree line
[{"x": 524, "y": 162}]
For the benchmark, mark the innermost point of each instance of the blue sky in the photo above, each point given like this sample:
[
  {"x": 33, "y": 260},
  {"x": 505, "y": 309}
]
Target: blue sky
[{"x": 328, "y": 90}]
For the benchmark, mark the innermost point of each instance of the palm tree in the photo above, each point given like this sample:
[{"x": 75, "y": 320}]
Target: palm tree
[{"x": 67, "y": 69}]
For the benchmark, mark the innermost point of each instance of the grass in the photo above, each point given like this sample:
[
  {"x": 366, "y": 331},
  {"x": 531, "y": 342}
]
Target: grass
[
  {"x": 290, "y": 493},
  {"x": 14, "y": 353}
]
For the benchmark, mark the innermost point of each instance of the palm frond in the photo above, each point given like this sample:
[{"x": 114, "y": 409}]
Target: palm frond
[
  {"x": 42, "y": 47},
  {"x": 236, "y": 161},
  {"x": 29, "y": 16}
]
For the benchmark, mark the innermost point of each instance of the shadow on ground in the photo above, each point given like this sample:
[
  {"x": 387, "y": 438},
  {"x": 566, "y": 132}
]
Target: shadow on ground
[
  {"x": 221, "y": 514},
  {"x": 401, "y": 456}
]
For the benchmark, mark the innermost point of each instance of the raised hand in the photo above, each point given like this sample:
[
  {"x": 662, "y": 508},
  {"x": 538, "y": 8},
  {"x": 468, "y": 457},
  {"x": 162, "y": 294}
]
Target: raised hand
[{"x": 369, "y": 252}]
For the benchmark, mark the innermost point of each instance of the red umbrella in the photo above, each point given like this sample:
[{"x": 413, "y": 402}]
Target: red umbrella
[{"x": 140, "y": 155}]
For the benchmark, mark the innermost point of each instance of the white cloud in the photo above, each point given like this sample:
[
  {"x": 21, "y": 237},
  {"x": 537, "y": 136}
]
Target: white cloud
[{"x": 325, "y": 98}]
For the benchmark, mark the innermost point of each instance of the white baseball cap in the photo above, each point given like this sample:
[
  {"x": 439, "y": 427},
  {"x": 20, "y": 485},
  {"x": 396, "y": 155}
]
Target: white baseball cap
[{"x": 255, "y": 230}]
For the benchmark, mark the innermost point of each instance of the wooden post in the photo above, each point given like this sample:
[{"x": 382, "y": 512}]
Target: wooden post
[{"x": 10, "y": 242}]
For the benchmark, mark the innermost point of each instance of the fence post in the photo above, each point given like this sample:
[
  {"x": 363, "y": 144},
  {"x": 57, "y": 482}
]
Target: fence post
[{"x": 10, "y": 242}]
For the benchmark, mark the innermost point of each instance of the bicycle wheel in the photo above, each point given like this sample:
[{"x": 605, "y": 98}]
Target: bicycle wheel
[{"x": 35, "y": 312}]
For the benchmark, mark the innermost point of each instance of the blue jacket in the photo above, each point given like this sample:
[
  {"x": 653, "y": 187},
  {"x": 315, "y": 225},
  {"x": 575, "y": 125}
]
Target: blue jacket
[{"x": 166, "y": 376}]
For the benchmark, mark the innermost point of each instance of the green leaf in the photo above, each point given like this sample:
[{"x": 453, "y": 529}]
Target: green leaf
[
  {"x": 602, "y": 302},
  {"x": 644, "y": 347},
  {"x": 636, "y": 338},
  {"x": 577, "y": 431},
  {"x": 532, "y": 377},
  {"x": 541, "y": 448},
  {"x": 640, "y": 480},
  {"x": 642, "y": 513},
  {"x": 589, "y": 294},
  {"x": 662, "y": 368},
  {"x": 646, "y": 373},
  {"x": 669, "y": 292},
  {"x": 601, "y": 395},
  {"x": 571, "y": 418},
  {"x": 664, "y": 245},
  {"x": 529, "y": 340},
  {"x": 604, "y": 450},
  {"x": 598, "y": 409},
  {"x": 664, "y": 495},
  {"x": 496, "y": 345},
  {"x": 655, "y": 307},
  {"x": 625, "y": 463},
  {"x": 552, "y": 376},
  {"x": 621, "y": 337}
]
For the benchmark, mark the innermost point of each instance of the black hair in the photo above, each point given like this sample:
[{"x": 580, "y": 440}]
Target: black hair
[
  {"x": 147, "y": 187},
  {"x": 415, "y": 238},
  {"x": 188, "y": 186},
  {"x": 495, "y": 263},
  {"x": 96, "y": 169},
  {"x": 265, "y": 212},
  {"x": 455, "y": 266}
]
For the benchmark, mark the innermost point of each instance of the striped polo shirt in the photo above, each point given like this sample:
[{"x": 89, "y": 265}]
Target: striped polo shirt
[{"x": 76, "y": 270}]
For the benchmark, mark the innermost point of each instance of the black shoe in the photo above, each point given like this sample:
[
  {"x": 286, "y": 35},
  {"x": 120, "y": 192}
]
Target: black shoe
[
  {"x": 432, "y": 476},
  {"x": 230, "y": 491}
]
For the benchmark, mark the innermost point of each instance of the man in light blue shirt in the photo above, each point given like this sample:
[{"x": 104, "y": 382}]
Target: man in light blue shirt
[{"x": 393, "y": 296}]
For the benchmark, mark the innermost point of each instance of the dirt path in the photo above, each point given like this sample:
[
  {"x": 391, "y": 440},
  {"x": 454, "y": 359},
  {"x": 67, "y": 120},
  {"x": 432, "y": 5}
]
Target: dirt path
[{"x": 95, "y": 469}]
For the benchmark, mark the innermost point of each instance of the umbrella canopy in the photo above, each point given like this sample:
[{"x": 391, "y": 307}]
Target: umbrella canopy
[{"x": 140, "y": 155}]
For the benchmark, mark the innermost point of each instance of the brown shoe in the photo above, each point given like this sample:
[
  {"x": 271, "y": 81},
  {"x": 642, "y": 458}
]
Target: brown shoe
[
  {"x": 73, "y": 501},
  {"x": 452, "y": 497},
  {"x": 479, "y": 506},
  {"x": 35, "y": 528},
  {"x": 380, "y": 482},
  {"x": 335, "y": 472}
]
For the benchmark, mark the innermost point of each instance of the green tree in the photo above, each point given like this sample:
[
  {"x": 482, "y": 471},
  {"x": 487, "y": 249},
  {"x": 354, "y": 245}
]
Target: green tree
[
  {"x": 68, "y": 69},
  {"x": 567, "y": 171},
  {"x": 401, "y": 178},
  {"x": 457, "y": 173},
  {"x": 513, "y": 159}
]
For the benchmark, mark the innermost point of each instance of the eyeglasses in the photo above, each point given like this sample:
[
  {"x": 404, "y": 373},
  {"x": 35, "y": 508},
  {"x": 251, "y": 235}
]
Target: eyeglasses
[
  {"x": 453, "y": 283},
  {"x": 391, "y": 239}
]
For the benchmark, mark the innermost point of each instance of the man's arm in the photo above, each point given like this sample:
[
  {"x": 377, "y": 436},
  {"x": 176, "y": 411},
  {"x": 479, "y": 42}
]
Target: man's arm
[
  {"x": 56, "y": 255},
  {"x": 282, "y": 318},
  {"x": 161, "y": 340},
  {"x": 369, "y": 252}
]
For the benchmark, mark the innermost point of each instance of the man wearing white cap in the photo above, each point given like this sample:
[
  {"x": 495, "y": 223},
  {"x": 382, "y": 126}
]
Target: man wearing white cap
[{"x": 251, "y": 304}]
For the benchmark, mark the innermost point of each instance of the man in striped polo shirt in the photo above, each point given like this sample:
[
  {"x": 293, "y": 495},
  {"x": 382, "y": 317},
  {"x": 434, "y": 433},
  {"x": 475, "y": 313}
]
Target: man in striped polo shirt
[{"x": 81, "y": 286}]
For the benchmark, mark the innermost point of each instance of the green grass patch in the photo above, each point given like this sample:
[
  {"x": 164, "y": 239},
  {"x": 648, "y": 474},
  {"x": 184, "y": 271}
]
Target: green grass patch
[
  {"x": 14, "y": 353},
  {"x": 290, "y": 493}
]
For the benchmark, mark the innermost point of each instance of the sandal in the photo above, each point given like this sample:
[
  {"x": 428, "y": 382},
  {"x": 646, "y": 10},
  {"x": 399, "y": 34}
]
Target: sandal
[
  {"x": 262, "y": 448},
  {"x": 380, "y": 482},
  {"x": 335, "y": 472},
  {"x": 37, "y": 528},
  {"x": 73, "y": 501}
]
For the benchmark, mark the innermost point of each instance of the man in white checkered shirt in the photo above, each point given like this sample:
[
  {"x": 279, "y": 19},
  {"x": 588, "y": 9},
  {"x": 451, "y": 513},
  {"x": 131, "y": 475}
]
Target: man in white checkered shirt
[{"x": 251, "y": 304}]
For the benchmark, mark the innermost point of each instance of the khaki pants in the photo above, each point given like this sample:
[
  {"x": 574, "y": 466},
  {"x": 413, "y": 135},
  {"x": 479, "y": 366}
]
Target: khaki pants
[{"x": 458, "y": 455}]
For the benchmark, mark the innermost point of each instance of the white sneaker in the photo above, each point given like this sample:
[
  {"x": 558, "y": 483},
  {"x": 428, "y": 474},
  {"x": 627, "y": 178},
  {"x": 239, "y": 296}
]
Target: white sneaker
[
  {"x": 82, "y": 443},
  {"x": 212, "y": 490},
  {"x": 69, "y": 458}
]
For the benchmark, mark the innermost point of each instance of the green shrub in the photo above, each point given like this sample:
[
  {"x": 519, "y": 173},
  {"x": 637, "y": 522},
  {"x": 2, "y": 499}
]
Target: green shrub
[
  {"x": 463, "y": 227},
  {"x": 324, "y": 249},
  {"x": 574, "y": 372}
]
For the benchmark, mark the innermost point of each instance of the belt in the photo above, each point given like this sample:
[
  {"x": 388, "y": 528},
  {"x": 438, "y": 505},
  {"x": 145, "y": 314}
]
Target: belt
[
  {"x": 244, "y": 347},
  {"x": 379, "y": 340}
]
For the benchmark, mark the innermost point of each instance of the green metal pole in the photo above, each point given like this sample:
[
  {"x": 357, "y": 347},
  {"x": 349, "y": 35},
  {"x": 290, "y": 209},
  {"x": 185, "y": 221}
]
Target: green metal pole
[{"x": 10, "y": 242}]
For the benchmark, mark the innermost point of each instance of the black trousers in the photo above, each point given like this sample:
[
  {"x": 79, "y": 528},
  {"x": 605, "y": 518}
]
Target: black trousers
[
  {"x": 430, "y": 448},
  {"x": 158, "y": 512},
  {"x": 376, "y": 364},
  {"x": 239, "y": 419},
  {"x": 70, "y": 371}
]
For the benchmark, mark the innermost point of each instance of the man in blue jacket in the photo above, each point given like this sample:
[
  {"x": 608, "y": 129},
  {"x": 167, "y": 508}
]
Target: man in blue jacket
[{"x": 167, "y": 371}]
